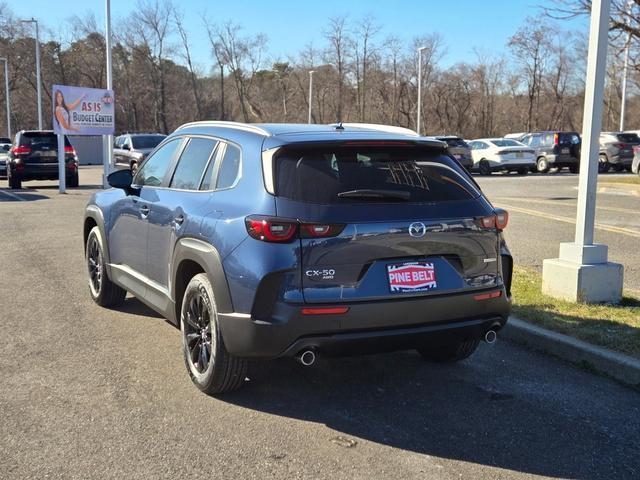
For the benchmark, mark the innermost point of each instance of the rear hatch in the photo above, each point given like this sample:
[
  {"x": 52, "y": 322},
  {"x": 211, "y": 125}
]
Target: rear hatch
[
  {"x": 567, "y": 143},
  {"x": 627, "y": 142},
  {"x": 390, "y": 220},
  {"x": 458, "y": 148},
  {"x": 41, "y": 148}
]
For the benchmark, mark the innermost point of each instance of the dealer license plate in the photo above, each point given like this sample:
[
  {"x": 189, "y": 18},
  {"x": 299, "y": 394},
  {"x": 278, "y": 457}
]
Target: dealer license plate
[{"x": 412, "y": 277}]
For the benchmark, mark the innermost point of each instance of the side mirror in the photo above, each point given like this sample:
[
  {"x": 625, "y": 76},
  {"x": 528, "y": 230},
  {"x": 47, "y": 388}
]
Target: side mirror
[{"x": 122, "y": 179}]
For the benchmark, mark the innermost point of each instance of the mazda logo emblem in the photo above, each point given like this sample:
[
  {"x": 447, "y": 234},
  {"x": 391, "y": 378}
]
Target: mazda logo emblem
[{"x": 417, "y": 229}]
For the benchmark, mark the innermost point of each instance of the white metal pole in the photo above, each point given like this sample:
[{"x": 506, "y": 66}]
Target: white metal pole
[
  {"x": 418, "y": 120},
  {"x": 592, "y": 121},
  {"x": 625, "y": 69},
  {"x": 38, "y": 78},
  {"x": 8, "y": 102},
  {"x": 310, "y": 93},
  {"x": 61, "y": 166},
  {"x": 107, "y": 140}
]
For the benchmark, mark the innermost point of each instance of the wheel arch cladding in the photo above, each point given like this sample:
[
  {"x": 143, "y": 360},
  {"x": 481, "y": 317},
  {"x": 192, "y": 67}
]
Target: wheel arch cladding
[{"x": 192, "y": 256}]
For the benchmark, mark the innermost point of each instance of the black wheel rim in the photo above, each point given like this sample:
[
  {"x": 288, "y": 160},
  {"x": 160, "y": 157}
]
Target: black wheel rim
[
  {"x": 95, "y": 266},
  {"x": 197, "y": 332}
]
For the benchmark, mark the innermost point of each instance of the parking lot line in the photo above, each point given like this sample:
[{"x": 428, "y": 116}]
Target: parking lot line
[
  {"x": 599, "y": 226},
  {"x": 573, "y": 203},
  {"x": 13, "y": 195}
]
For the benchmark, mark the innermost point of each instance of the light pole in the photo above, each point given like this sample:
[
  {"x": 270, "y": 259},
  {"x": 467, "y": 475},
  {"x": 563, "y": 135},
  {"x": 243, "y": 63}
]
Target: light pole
[
  {"x": 107, "y": 140},
  {"x": 310, "y": 93},
  {"x": 34, "y": 21},
  {"x": 625, "y": 69},
  {"x": 419, "y": 89},
  {"x": 6, "y": 86},
  {"x": 582, "y": 272}
]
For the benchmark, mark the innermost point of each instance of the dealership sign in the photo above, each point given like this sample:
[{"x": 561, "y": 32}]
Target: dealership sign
[{"x": 83, "y": 111}]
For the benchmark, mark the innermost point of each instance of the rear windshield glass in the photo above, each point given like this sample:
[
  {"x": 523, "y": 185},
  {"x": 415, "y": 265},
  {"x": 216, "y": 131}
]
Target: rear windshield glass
[
  {"x": 568, "y": 138},
  {"x": 454, "y": 142},
  {"x": 41, "y": 139},
  {"x": 343, "y": 175},
  {"x": 146, "y": 141},
  {"x": 628, "y": 137},
  {"x": 5, "y": 140},
  {"x": 506, "y": 142}
]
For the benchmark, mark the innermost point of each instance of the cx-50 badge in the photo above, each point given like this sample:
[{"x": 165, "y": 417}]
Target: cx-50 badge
[{"x": 417, "y": 229}]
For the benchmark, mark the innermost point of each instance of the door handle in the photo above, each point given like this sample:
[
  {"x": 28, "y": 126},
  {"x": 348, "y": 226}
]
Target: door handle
[
  {"x": 179, "y": 220},
  {"x": 144, "y": 210}
]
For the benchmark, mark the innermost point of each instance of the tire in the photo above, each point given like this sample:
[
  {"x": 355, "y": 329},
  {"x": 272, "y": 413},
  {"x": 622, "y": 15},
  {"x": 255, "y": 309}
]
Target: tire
[
  {"x": 449, "y": 352},
  {"x": 574, "y": 168},
  {"x": 603, "y": 164},
  {"x": 74, "y": 181},
  {"x": 14, "y": 183},
  {"x": 542, "y": 165},
  {"x": 523, "y": 171},
  {"x": 103, "y": 291},
  {"x": 484, "y": 168},
  {"x": 217, "y": 371}
]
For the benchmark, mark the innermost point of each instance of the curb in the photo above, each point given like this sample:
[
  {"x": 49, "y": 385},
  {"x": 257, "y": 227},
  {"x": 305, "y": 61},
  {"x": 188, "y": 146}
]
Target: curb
[{"x": 618, "y": 366}]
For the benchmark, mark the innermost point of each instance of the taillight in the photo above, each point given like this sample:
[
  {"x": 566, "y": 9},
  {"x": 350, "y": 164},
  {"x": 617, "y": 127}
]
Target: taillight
[
  {"x": 69, "y": 149},
  {"x": 556, "y": 139},
  {"x": 274, "y": 229},
  {"x": 498, "y": 220},
  {"x": 20, "y": 150}
]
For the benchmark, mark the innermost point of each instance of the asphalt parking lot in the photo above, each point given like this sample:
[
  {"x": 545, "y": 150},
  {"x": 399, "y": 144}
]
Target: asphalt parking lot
[{"x": 92, "y": 393}]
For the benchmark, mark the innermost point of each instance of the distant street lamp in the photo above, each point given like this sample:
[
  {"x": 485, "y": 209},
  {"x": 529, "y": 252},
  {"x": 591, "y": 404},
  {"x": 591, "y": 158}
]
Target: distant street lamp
[
  {"x": 6, "y": 86},
  {"x": 310, "y": 93},
  {"x": 625, "y": 68},
  {"x": 419, "y": 88},
  {"x": 38, "y": 82}
]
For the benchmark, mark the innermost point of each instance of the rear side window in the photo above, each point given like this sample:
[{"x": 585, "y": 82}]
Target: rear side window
[
  {"x": 153, "y": 171},
  {"x": 229, "y": 168},
  {"x": 343, "y": 175},
  {"x": 192, "y": 163}
]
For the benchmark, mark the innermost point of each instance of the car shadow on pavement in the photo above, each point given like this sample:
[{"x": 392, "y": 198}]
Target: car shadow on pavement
[
  {"x": 20, "y": 195},
  {"x": 445, "y": 411},
  {"x": 133, "y": 306}
]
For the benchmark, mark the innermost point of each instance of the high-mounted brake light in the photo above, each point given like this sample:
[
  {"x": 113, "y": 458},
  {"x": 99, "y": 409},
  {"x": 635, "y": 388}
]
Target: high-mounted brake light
[
  {"x": 282, "y": 230},
  {"x": 20, "y": 150}
]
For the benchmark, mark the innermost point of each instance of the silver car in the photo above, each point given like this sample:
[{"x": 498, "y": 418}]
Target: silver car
[
  {"x": 616, "y": 150},
  {"x": 5, "y": 146}
]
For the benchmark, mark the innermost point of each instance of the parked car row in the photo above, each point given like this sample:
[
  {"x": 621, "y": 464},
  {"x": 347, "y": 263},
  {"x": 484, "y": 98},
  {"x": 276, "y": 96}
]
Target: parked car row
[{"x": 5, "y": 146}]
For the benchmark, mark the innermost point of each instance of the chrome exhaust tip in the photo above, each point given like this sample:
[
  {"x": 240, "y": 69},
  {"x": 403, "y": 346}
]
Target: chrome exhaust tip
[
  {"x": 491, "y": 336},
  {"x": 306, "y": 358}
]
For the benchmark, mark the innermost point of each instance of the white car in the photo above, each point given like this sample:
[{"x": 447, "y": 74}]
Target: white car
[{"x": 501, "y": 154}]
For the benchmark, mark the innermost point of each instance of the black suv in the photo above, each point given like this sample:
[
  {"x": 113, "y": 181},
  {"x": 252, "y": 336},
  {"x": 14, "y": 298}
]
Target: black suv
[
  {"x": 34, "y": 156},
  {"x": 131, "y": 149},
  {"x": 555, "y": 150},
  {"x": 273, "y": 240}
]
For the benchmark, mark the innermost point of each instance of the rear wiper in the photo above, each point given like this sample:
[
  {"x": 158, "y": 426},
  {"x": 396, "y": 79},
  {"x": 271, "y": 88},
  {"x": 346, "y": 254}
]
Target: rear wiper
[{"x": 367, "y": 193}]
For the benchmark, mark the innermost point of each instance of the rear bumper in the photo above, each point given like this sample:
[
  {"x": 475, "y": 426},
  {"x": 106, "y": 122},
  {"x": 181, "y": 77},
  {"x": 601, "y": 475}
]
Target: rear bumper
[
  {"x": 624, "y": 159},
  {"x": 562, "y": 160},
  {"x": 367, "y": 327},
  {"x": 39, "y": 173},
  {"x": 499, "y": 166}
]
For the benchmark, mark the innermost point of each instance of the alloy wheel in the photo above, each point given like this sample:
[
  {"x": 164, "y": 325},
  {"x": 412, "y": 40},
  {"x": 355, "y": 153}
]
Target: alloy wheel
[
  {"x": 95, "y": 265},
  {"x": 197, "y": 333}
]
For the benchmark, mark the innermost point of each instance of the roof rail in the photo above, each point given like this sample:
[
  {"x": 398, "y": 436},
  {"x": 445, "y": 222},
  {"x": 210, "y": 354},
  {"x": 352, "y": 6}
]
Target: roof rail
[
  {"x": 378, "y": 127},
  {"x": 224, "y": 124}
]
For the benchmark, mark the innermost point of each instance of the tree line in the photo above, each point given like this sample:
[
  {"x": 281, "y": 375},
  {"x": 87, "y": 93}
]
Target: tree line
[{"x": 359, "y": 74}]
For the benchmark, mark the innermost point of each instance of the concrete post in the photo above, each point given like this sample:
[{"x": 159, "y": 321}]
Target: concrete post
[
  {"x": 107, "y": 140},
  {"x": 582, "y": 272}
]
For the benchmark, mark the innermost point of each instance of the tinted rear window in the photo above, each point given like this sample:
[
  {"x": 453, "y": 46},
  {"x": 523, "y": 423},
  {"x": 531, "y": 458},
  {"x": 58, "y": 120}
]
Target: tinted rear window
[
  {"x": 454, "y": 142},
  {"x": 319, "y": 175},
  {"x": 41, "y": 139},
  {"x": 5, "y": 140},
  {"x": 628, "y": 137},
  {"x": 506, "y": 142},
  {"x": 571, "y": 138},
  {"x": 146, "y": 141}
]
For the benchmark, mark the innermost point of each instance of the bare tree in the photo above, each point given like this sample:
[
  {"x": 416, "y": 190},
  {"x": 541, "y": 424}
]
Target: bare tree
[{"x": 178, "y": 19}]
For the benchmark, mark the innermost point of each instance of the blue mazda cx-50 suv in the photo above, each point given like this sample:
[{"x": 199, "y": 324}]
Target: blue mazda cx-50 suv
[{"x": 273, "y": 240}]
